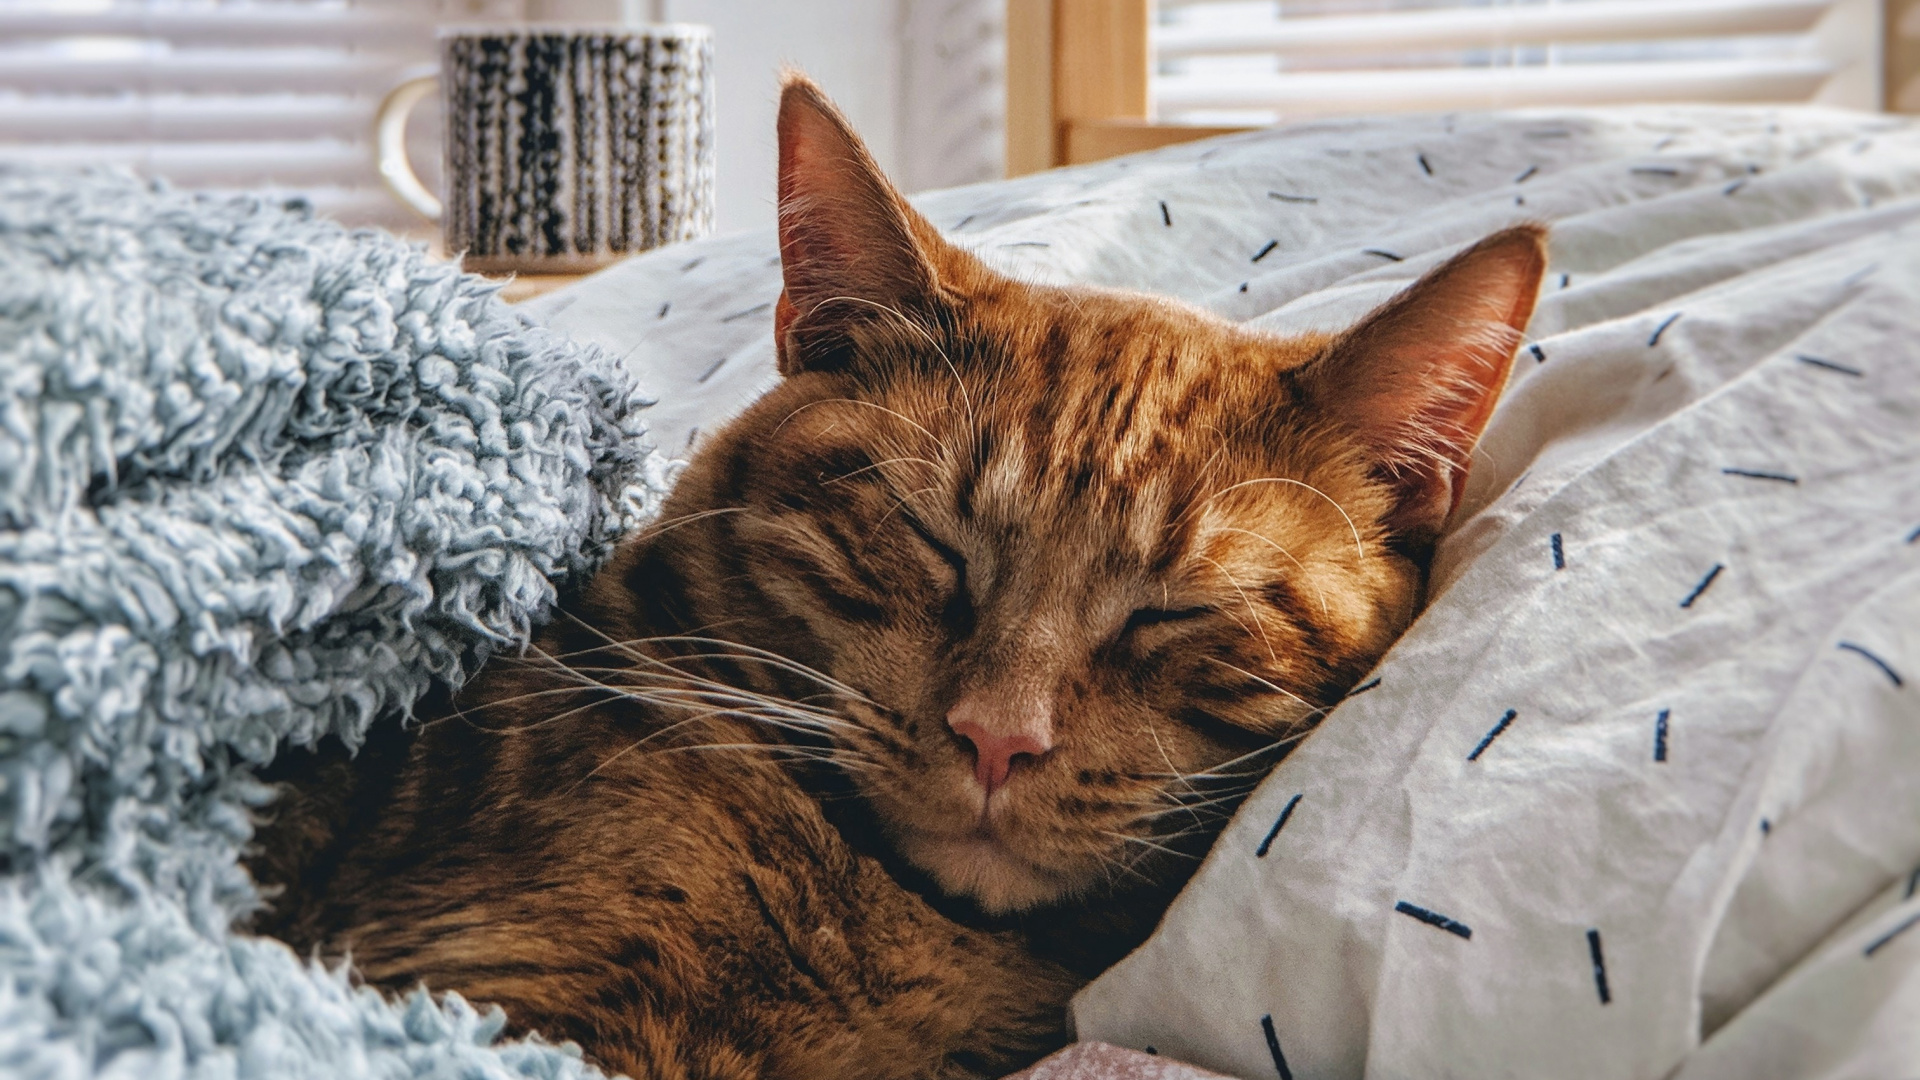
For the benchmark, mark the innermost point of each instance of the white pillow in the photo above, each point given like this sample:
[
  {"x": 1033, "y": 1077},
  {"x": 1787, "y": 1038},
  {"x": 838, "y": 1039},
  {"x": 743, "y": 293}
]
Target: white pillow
[{"x": 1684, "y": 570}]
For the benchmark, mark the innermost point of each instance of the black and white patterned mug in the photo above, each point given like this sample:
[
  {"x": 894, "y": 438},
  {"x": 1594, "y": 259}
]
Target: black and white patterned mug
[{"x": 566, "y": 148}]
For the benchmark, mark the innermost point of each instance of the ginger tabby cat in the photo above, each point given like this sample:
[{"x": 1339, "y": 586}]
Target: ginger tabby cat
[{"x": 942, "y": 667}]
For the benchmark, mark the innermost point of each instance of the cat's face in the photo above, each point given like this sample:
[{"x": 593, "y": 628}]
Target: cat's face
[
  {"x": 1096, "y": 532},
  {"x": 1086, "y": 562}
]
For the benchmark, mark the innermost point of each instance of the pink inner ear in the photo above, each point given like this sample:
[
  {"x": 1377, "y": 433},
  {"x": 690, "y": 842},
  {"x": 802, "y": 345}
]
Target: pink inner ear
[
  {"x": 847, "y": 245},
  {"x": 1418, "y": 379},
  {"x": 820, "y": 172},
  {"x": 822, "y": 179}
]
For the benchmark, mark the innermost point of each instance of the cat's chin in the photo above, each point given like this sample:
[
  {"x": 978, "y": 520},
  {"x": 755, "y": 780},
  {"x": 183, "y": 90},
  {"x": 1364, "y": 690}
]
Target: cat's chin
[{"x": 981, "y": 868}]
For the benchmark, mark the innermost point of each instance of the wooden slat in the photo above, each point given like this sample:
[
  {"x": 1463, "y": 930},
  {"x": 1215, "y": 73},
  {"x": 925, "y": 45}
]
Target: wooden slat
[
  {"x": 1906, "y": 98},
  {"x": 1030, "y": 130},
  {"x": 1901, "y": 55},
  {"x": 1100, "y": 60},
  {"x": 1072, "y": 62},
  {"x": 1097, "y": 140}
]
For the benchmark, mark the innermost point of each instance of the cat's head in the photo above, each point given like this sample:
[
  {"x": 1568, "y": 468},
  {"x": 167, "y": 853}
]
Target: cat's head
[{"x": 1085, "y": 561}]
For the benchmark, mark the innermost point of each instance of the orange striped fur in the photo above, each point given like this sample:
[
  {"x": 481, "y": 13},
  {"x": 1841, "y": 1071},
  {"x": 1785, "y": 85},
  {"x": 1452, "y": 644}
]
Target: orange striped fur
[{"x": 721, "y": 820}]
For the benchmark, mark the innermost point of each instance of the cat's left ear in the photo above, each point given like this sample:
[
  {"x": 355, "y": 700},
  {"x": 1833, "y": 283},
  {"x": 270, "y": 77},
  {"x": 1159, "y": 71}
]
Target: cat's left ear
[
  {"x": 851, "y": 250},
  {"x": 1418, "y": 378}
]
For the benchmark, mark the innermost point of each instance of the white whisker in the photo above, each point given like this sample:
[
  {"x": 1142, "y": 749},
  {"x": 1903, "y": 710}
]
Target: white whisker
[
  {"x": 1271, "y": 685},
  {"x": 904, "y": 418},
  {"x": 1359, "y": 549},
  {"x": 883, "y": 464},
  {"x": 918, "y": 329},
  {"x": 661, "y": 528},
  {"x": 1296, "y": 562},
  {"x": 1150, "y": 844},
  {"x": 1252, "y": 612}
]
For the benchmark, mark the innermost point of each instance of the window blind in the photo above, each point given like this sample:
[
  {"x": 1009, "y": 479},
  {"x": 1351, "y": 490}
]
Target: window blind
[
  {"x": 1245, "y": 62},
  {"x": 274, "y": 95}
]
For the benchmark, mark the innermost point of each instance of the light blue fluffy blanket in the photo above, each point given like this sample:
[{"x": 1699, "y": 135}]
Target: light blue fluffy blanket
[{"x": 261, "y": 480}]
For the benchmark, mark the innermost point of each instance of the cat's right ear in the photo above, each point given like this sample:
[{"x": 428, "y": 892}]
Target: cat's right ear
[
  {"x": 849, "y": 252},
  {"x": 1418, "y": 378}
]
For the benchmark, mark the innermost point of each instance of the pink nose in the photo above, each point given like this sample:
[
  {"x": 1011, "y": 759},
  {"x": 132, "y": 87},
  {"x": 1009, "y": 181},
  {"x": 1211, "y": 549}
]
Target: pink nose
[{"x": 1001, "y": 733}]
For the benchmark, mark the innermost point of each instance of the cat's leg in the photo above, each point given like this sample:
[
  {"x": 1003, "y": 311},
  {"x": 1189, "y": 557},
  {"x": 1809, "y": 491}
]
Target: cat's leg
[{"x": 695, "y": 916}]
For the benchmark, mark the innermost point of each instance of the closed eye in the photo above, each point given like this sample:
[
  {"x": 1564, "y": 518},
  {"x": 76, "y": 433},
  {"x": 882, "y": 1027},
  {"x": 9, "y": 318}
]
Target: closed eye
[
  {"x": 952, "y": 558},
  {"x": 957, "y": 612},
  {"x": 1161, "y": 616}
]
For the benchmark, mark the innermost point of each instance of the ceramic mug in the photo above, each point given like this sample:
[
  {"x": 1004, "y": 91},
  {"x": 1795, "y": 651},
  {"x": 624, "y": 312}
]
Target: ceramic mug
[{"x": 566, "y": 148}]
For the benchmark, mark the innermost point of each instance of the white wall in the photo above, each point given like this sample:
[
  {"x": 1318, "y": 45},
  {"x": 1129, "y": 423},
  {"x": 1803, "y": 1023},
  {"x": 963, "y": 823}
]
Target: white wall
[
  {"x": 850, "y": 47},
  {"x": 953, "y": 92},
  {"x": 922, "y": 81}
]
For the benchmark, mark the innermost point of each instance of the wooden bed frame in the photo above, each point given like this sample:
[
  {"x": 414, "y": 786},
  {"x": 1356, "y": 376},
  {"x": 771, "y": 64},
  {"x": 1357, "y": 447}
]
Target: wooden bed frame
[
  {"x": 1077, "y": 75},
  {"x": 1077, "y": 84}
]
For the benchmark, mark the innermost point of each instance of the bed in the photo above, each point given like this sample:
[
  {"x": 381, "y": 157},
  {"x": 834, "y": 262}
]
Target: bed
[{"x": 1639, "y": 795}]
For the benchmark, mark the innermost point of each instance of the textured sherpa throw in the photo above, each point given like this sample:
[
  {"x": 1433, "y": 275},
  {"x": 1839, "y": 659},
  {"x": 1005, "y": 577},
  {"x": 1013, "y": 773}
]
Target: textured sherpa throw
[{"x": 261, "y": 480}]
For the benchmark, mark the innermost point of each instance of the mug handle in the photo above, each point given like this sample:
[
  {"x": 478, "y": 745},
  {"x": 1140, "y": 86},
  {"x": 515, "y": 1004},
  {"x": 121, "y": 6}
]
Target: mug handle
[{"x": 390, "y": 143}]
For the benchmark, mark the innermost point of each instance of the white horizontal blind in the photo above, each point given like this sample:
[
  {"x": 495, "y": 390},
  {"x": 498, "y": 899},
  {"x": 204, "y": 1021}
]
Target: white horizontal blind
[
  {"x": 1256, "y": 62},
  {"x": 274, "y": 95}
]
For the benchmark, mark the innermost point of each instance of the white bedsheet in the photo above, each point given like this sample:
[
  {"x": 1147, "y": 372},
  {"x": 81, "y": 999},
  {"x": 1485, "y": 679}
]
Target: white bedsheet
[{"x": 1639, "y": 795}]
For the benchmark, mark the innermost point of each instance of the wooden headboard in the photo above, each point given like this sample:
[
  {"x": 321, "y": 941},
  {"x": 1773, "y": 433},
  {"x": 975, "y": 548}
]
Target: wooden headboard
[
  {"x": 1077, "y": 84},
  {"x": 1077, "y": 79}
]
